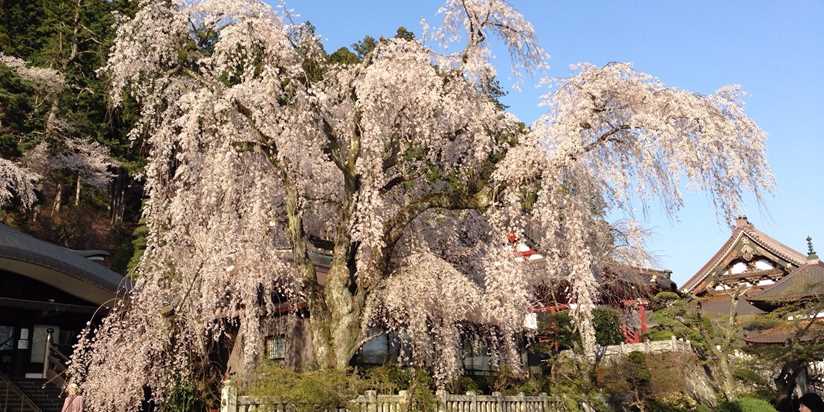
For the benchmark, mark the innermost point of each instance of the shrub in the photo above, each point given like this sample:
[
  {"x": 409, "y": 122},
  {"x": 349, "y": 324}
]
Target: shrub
[
  {"x": 607, "y": 323},
  {"x": 326, "y": 389},
  {"x": 663, "y": 299},
  {"x": 746, "y": 404},
  {"x": 761, "y": 323},
  {"x": 330, "y": 389},
  {"x": 659, "y": 335},
  {"x": 184, "y": 398},
  {"x": 469, "y": 383},
  {"x": 417, "y": 382},
  {"x": 750, "y": 377},
  {"x": 558, "y": 327}
]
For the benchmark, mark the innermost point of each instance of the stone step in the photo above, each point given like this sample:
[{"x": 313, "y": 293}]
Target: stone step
[{"x": 48, "y": 399}]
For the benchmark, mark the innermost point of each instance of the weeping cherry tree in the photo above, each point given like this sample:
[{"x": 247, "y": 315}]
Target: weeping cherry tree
[{"x": 402, "y": 163}]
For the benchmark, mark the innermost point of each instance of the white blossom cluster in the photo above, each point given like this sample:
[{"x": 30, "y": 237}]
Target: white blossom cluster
[
  {"x": 17, "y": 183},
  {"x": 57, "y": 150},
  {"x": 88, "y": 159},
  {"x": 473, "y": 21},
  {"x": 44, "y": 78},
  {"x": 405, "y": 166}
]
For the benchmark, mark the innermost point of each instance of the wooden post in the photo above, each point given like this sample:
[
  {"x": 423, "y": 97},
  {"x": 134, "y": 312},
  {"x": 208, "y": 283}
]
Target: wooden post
[
  {"x": 371, "y": 401},
  {"x": 499, "y": 402},
  {"x": 642, "y": 315},
  {"x": 545, "y": 406},
  {"x": 473, "y": 401},
  {"x": 228, "y": 397},
  {"x": 359, "y": 404},
  {"x": 521, "y": 402},
  {"x": 403, "y": 401},
  {"x": 442, "y": 400}
]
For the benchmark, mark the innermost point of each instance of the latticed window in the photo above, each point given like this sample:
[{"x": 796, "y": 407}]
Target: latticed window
[{"x": 276, "y": 347}]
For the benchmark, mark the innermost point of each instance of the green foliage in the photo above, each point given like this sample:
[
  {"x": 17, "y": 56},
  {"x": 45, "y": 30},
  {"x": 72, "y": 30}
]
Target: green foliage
[
  {"x": 183, "y": 398},
  {"x": 746, "y": 404},
  {"x": 18, "y": 116},
  {"x": 138, "y": 244},
  {"x": 761, "y": 323},
  {"x": 650, "y": 382},
  {"x": 750, "y": 377},
  {"x": 558, "y": 332},
  {"x": 343, "y": 56},
  {"x": 659, "y": 335},
  {"x": 365, "y": 46},
  {"x": 391, "y": 379},
  {"x": 607, "y": 324},
  {"x": 18, "y": 20},
  {"x": 327, "y": 389},
  {"x": 131, "y": 246},
  {"x": 403, "y": 33},
  {"x": 559, "y": 329},
  {"x": 681, "y": 319},
  {"x": 571, "y": 382},
  {"x": 664, "y": 299},
  {"x": 74, "y": 38},
  {"x": 627, "y": 381}
]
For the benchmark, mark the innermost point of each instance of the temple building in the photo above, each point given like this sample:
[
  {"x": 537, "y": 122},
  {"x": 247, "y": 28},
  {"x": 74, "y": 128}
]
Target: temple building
[
  {"x": 803, "y": 287},
  {"x": 47, "y": 294},
  {"x": 763, "y": 276},
  {"x": 748, "y": 264}
]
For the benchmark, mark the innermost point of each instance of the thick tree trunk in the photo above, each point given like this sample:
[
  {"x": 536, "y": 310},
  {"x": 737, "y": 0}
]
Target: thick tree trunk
[
  {"x": 334, "y": 316},
  {"x": 343, "y": 297},
  {"x": 345, "y": 315},
  {"x": 336, "y": 327}
]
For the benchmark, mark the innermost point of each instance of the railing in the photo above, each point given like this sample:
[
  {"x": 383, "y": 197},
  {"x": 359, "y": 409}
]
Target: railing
[
  {"x": 12, "y": 399},
  {"x": 661, "y": 346},
  {"x": 54, "y": 363},
  {"x": 372, "y": 402}
]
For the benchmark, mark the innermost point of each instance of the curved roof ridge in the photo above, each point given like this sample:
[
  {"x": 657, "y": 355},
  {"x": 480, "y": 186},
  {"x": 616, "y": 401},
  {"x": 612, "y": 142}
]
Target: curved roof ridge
[
  {"x": 775, "y": 246},
  {"x": 702, "y": 273},
  {"x": 19, "y": 246},
  {"x": 745, "y": 228}
]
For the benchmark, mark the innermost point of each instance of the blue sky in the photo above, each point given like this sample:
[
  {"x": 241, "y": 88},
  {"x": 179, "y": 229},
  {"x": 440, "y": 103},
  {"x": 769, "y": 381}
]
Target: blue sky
[{"x": 774, "y": 49}]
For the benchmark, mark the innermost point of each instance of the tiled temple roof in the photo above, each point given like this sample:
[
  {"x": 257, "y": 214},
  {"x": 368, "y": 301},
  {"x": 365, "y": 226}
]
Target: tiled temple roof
[
  {"x": 743, "y": 228},
  {"x": 781, "y": 334},
  {"x": 802, "y": 283}
]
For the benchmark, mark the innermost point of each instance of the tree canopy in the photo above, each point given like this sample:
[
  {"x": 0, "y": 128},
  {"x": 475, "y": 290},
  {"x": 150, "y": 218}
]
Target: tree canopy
[{"x": 406, "y": 167}]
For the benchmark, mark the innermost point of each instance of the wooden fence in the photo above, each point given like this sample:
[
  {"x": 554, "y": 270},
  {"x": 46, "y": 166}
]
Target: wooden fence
[{"x": 372, "y": 402}]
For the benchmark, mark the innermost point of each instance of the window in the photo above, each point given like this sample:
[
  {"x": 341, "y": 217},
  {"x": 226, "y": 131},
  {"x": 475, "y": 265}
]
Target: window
[
  {"x": 476, "y": 359},
  {"x": 375, "y": 351},
  {"x": 6, "y": 337},
  {"x": 276, "y": 347}
]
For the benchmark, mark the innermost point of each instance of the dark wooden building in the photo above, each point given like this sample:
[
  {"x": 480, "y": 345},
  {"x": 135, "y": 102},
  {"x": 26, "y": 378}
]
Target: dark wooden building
[{"x": 47, "y": 295}]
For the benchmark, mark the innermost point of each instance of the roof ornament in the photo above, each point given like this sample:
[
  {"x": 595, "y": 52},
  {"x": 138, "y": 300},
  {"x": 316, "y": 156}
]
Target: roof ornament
[
  {"x": 742, "y": 222},
  {"x": 811, "y": 255}
]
